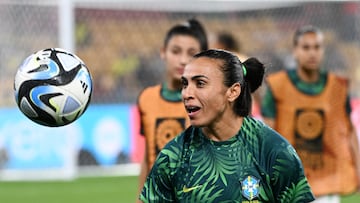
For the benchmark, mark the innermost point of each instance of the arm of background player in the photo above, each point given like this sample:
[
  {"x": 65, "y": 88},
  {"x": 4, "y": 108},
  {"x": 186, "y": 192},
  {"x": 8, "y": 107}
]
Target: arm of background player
[
  {"x": 143, "y": 174},
  {"x": 268, "y": 108},
  {"x": 354, "y": 142},
  {"x": 144, "y": 164}
]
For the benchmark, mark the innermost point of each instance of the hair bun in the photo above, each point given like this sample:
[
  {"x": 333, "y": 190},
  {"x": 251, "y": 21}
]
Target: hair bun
[{"x": 254, "y": 73}]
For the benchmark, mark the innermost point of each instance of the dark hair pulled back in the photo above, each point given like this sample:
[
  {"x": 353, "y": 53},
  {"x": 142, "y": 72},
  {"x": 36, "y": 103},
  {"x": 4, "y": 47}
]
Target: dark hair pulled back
[
  {"x": 249, "y": 74},
  {"x": 193, "y": 28}
]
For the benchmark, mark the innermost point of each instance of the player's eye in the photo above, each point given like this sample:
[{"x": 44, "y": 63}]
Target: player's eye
[
  {"x": 317, "y": 47},
  {"x": 175, "y": 51},
  {"x": 192, "y": 52},
  {"x": 306, "y": 47},
  {"x": 184, "y": 83},
  {"x": 200, "y": 83}
]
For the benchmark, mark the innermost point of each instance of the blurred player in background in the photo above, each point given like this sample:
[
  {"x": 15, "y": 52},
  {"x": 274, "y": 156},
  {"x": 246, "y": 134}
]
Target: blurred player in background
[
  {"x": 162, "y": 113},
  {"x": 225, "y": 155},
  {"x": 227, "y": 41},
  {"x": 311, "y": 108}
]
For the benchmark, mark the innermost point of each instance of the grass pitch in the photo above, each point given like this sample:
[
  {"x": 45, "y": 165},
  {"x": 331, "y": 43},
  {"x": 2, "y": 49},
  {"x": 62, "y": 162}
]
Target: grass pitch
[{"x": 83, "y": 190}]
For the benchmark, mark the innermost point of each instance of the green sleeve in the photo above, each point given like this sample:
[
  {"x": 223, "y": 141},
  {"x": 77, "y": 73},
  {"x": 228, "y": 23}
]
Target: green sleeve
[
  {"x": 289, "y": 181},
  {"x": 268, "y": 106},
  {"x": 157, "y": 187}
]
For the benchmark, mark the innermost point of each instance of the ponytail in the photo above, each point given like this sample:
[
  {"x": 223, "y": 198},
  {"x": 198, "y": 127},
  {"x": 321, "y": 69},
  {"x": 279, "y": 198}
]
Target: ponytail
[{"x": 254, "y": 73}]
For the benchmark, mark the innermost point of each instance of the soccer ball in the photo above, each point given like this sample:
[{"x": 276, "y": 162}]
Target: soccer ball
[{"x": 53, "y": 87}]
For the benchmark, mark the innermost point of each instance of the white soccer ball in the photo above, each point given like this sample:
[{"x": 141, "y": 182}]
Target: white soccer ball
[{"x": 53, "y": 87}]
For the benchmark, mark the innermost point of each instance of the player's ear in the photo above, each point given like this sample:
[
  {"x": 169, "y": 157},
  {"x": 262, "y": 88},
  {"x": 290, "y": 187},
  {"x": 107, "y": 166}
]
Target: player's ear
[{"x": 233, "y": 92}]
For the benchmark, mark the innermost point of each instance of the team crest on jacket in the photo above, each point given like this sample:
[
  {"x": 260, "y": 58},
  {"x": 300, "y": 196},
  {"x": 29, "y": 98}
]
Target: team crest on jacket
[{"x": 250, "y": 187}]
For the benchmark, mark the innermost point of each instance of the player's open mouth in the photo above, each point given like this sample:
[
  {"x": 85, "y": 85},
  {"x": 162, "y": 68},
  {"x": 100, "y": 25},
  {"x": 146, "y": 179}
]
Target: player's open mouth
[{"x": 192, "y": 109}]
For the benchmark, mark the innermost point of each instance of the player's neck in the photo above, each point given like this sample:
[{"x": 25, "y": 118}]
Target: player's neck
[
  {"x": 224, "y": 129},
  {"x": 173, "y": 85},
  {"x": 309, "y": 76}
]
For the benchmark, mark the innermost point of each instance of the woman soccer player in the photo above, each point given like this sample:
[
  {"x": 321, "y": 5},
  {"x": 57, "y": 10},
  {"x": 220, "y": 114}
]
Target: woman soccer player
[
  {"x": 225, "y": 155},
  {"x": 310, "y": 107},
  {"x": 162, "y": 113}
]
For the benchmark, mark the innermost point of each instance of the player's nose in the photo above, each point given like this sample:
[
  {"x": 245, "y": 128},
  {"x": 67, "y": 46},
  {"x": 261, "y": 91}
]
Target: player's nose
[{"x": 187, "y": 93}]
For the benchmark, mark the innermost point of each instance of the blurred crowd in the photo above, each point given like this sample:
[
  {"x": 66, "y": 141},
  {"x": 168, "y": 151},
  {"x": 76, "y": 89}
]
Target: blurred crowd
[{"x": 121, "y": 48}]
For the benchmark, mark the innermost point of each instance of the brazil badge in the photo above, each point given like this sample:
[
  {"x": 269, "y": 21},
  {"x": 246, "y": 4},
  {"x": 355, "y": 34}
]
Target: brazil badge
[{"x": 250, "y": 187}]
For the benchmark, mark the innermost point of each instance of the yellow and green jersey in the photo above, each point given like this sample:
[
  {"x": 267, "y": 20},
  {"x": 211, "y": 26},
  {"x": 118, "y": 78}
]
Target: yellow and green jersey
[{"x": 256, "y": 165}]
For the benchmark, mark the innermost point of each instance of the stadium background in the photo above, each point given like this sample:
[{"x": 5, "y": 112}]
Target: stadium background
[{"x": 120, "y": 42}]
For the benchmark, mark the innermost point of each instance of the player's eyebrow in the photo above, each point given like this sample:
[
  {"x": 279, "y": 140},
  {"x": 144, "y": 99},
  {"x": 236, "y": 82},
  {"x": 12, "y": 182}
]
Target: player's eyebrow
[{"x": 195, "y": 77}]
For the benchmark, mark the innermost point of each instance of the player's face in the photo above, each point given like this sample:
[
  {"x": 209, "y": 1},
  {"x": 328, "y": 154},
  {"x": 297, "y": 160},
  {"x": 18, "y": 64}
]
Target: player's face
[
  {"x": 204, "y": 93},
  {"x": 309, "y": 51},
  {"x": 178, "y": 52}
]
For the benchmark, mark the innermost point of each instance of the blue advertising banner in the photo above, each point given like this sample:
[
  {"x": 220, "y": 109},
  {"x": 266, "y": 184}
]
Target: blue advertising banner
[
  {"x": 106, "y": 137},
  {"x": 27, "y": 145},
  {"x": 101, "y": 136}
]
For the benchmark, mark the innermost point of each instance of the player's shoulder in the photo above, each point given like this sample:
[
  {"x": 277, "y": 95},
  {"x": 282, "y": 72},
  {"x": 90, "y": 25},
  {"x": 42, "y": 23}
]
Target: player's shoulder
[
  {"x": 263, "y": 133},
  {"x": 149, "y": 93},
  {"x": 275, "y": 149},
  {"x": 339, "y": 79},
  {"x": 255, "y": 123},
  {"x": 280, "y": 73},
  {"x": 276, "y": 77},
  {"x": 274, "y": 137},
  {"x": 270, "y": 142},
  {"x": 271, "y": 138}
]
